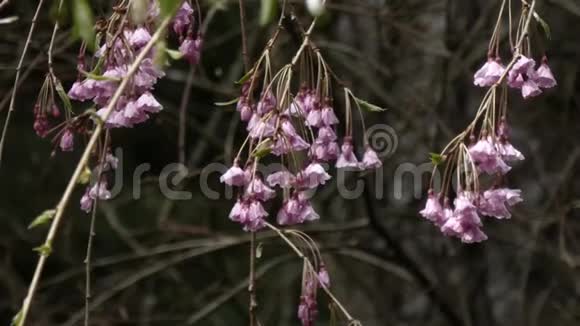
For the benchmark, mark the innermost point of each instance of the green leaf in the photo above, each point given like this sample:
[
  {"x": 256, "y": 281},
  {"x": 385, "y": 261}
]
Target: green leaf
[
  {"x": 43, "y": 218},
  {"x": 17, "y": 319},
  {"x": 544, "y": 25},
  {"x": 263, "y": 149},
  {"x": 174, "y": 54},
  {"x": 259, "y": 250},
  {"x": 44, "y": 250},
  {"x": 168, "y": 7},
  {"x": 83, "y": 21},
  {"x": 63, "y": 95},
  {"x": 368, "y": 106},
  {"x": 245, "y": 77},
  {"x": 436, "y": 159},
  {"x": 228, "y": 103},
  {"x": 268, "y": 11},
  {"x": 85, "y": 176}
]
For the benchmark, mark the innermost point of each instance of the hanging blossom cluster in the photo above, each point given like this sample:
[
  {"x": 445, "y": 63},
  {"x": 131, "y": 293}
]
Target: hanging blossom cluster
[
  {"x": 297, "y": 129},
  {"x": 121, "y": 41},
  {"x": 482, "y": 155},
  {"x": 311, "y": 282}
]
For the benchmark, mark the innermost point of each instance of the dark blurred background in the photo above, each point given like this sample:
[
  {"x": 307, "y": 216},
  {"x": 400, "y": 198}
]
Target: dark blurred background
[{"x": 163, "y": 262}]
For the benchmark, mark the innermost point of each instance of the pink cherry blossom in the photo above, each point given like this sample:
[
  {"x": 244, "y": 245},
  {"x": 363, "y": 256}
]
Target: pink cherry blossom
[
  {"x": 313, "y": 176},
  {"x": 495, "y": 202},
  {"x": 544, "y": 76},
  {"x": 258, "y": 190},
  {"x": 234, "y": 176},
  {"x": 191, "y": 49},
  {"x": 67, "y": 141},
  {"x": 433, "y": 210},
  {"x": 283, "y": 179},
  {"x": 370, "y": 159},
  {"x": 489, "y": 73},
  {"x": 487, "y": 159},
  {"x": 347, "y": 159}
]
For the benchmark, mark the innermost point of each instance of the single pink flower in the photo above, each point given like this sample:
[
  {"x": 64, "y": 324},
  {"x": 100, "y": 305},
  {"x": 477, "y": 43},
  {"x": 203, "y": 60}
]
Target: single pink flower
[
  {"x": 433, "y": 210},
  {"x": 347, "y": 159},
  {"x": 67, "y": 141},
  {"x": 530, "y": 89},
  {"x": 283, "y": 179},
  {"x": 489, "y": 73},
  {"x": 544, "y": 76},
  {"x": 371, "y": 160},
  {"x": 234, "y": 176},
  {"x": 327, "y": 116},
  {"x": 191, "y": 49},
  {"x": 313, "y": 176},
  {"x": 486, "y": 157},
  {"x": 495, "y": 202},
  {"x": 139, "y": 38},
  {"x": 258, "y": 190},
  {"x": 521, "y": 71},
  {"x": 323, "y": 277}
]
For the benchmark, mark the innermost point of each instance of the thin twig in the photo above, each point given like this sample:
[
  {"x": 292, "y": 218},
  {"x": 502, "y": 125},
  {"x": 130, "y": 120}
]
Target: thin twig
[
  {"x": 88, "y": 258},
  {"x": 80, "y": 167},
  {"x": 4, "y": 3},
  {"x": 18, "y": 68},
  {"x": 300, "y": 254},
  {"x": 252, "y": 278},
  {"x": 52, "y": 38},
  {"x": 245, "y": 54},
  {"x": 183, "y": 116},
  {"x": 223, "y": 298}
]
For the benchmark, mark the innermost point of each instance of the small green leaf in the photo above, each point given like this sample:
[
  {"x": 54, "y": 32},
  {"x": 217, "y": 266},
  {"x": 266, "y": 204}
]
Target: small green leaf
[
  {"x": 85, "y": 176},
  {"x": 245, "y": 77},
  {"x": 174, "y": 54},
  {"x": 44, "y": 250},
  {"x": 228, "y": 103},
  {"x": 436, "y": 159},
  {"x": 259, "y": 250},
  {"x": 43, "y": 218},
  {"x": 544, "y": 25},
  {"x": 63, "y": 95},
  {"x": 168, "y": 7},
  {"x": 368, "y": 106},
  {"x": 17, "y": 319},
  {"x": 263, "y": 149},
  {"x": 83, "y": 21},
  {"x": 268, "y": 11}
]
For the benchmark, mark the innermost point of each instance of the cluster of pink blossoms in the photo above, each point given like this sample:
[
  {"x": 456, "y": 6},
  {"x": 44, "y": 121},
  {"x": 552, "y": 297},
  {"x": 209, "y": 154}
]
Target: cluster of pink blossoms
[
  {"x": 523, "y": 75},
  {"x": 268, "y": 123},
  {"x": 492, "y": 156},
  {"x": 490, "y": 153},
  {"x": 99, "y": 190},
  {"x": 137, "y": 103},
  {"x": 117, "y": 55},
  {"x": 308, "y": 307}
]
